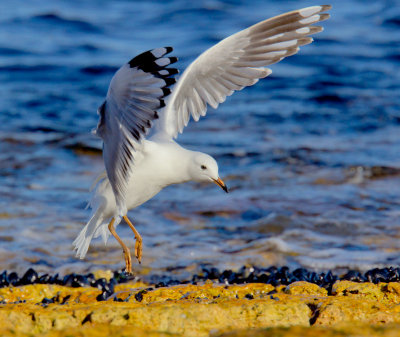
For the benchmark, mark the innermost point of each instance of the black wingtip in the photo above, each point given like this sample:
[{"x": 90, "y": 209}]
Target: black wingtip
[
  {"x": 166, "y": 91},
  {"x": 174, "y": 71},
  {"x": 168, "y": 50},
  {"x": 154, "y": 62},
  {"x": 143, "y": 58},
  {"x": 169, "y": 81},
  {"x": 173, "y": 59}
]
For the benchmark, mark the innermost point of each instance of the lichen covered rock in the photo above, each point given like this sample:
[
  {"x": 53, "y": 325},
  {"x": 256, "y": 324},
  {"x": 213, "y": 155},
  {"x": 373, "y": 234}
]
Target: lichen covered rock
[
  {"x": 305, "y": 288},
  {"x": 358, "y": 330},
  {"x": 253, "y": 309},
  {"x": 189, "y": 310}
]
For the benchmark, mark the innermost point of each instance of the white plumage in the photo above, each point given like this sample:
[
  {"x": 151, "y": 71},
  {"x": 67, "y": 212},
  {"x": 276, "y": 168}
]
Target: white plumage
[{"x": 137, "y": 168}]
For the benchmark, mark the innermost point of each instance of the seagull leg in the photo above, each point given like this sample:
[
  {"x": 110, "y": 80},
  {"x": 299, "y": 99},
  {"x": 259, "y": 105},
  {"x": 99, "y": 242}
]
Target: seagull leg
[
  {"x": 138, "y": 244},
  {"x": 127, "y": 253}
]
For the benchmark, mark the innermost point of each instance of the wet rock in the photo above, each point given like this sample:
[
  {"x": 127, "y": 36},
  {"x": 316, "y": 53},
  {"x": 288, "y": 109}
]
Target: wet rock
[
  {"x": 211, "y": 274},
  {"x": 103, "y": 296},
  {"x": 48, "y": 300},
  {"x": 44, "y": 279},
  {"x": 139, "y": 295},
  {"x": 30, "y": 277},
  {"x": 228, "y": 277},
  {"x": 122, "y": 277},
  {"x": 355, "y": 276},
  {"x": 91, "y": 278},
  {"x": 300, "y": 274},
  {"x": 272, "y": 275},
  {"x": 13, "y": 279},
  {"x": 75, "y": 281},
  {"x": 100, "y": 284},
  {"x": 4, "y": 282},
  {"x": 394, "y": 274},
  {"x": 54, "y": 279}
]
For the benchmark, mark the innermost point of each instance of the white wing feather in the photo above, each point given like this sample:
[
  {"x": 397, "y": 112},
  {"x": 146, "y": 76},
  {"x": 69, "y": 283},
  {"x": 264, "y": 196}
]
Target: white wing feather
[{"x": 236, "y": 62}]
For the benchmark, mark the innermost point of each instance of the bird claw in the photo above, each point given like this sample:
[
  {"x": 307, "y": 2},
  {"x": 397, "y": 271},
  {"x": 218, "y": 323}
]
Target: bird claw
[
  {"x": 138, "y": 249},
  {"x": 128, "y": 262},
  {"x": 138, "y": 238}
]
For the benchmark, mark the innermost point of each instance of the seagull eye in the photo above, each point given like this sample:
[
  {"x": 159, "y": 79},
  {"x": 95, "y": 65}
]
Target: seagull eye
[{"x": 203, "y": 167}]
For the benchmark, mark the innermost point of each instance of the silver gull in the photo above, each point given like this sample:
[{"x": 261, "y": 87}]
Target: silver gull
[{"x": 138, "y": 125}]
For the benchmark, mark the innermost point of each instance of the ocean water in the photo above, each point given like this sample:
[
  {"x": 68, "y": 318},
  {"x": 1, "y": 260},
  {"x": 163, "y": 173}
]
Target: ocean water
[{"x": 311, "y": 154}]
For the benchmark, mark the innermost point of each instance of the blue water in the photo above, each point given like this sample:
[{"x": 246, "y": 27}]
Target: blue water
[{"x": 311, "y": 153}]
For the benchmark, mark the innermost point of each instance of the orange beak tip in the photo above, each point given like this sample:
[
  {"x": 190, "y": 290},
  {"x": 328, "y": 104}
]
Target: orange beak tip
[{"x": 221, "y": 184}]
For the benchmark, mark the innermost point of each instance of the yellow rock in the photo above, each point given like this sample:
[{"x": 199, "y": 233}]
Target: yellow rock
[
  {"x": 359, "y": 290},
  {"x": 198, "y": 310},
  {"x": 197, "y": 319},
  {"x": 342, "y": 309},
  {"x": 280, "y": 288},
  {"x": 387, "y": 292},
  {"x": 35, "y": 293},
  {"x": 305, "y": 288},
  {"x": 186, "y": 317},
  {"x": 107, "y": 274},
  {"x": 189, "y": 310},
  {"x": 100, "y": 330},
  {"x": 106, "y": 330},
  {"x": 391, "y": 330},
  {"x": 208, "y": 291},
  {"x": 130, "y": 286},
  {"x": 392, "y": 292}
]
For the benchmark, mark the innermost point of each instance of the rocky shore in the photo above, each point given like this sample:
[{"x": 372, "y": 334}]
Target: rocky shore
[{"x": 250, "y": 302}]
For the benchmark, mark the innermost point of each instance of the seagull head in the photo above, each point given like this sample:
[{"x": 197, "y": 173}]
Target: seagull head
[{"x": 204, "y": 168}]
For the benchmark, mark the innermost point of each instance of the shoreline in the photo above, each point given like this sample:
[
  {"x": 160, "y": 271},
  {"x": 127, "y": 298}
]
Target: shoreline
[{"x": 202, "y": 308}]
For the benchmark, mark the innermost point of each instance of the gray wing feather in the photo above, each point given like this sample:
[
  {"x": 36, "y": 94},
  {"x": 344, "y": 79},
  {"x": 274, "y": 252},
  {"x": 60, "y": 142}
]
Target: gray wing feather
[{"x": 135, "y": 94}]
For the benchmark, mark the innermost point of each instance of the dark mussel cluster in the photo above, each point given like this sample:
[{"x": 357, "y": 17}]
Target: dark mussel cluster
[
  {"x": 283, "y": 276},
  {"x": 272, "y": 275}
]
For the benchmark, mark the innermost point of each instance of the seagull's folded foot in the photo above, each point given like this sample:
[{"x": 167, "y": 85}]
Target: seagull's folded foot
[
  {"x": 139, "y": 241},
  {"x": 128, "y": 261},
  {"x": 138, "y": 248},
  {"x": 127, "y": 252}
]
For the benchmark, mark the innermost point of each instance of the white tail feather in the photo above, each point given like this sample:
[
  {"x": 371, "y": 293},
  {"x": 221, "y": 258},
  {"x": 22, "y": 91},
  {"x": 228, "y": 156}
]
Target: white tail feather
[
  {"x": 98, "y": 223},
  {"x": 84, "y": 238},
  {"x": 103, "y": 231}
]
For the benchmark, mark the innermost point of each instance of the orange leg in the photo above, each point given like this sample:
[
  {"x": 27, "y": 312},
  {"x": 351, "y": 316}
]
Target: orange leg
[
  {"x": 127, "y": 253},
  {"x": 138, "y": 244}
]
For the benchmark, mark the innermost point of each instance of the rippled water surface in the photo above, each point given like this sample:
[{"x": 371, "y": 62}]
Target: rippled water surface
[{"x": 311, "y": 154}]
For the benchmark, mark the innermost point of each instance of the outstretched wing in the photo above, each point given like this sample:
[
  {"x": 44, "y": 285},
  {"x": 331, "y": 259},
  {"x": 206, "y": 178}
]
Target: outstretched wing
[
  {"x": 236, "y": 62},
  {"x": 136, "y": 92}
]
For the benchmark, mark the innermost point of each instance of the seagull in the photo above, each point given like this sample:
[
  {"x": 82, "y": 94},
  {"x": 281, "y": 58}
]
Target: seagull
[{"x": 139, "y": 125}]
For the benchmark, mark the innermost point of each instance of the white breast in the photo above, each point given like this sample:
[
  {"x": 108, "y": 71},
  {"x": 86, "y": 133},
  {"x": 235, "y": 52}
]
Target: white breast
[{"x": 160, "y": 164}]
